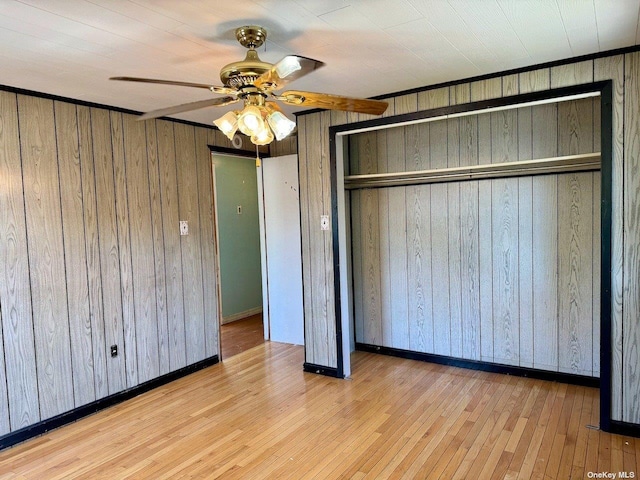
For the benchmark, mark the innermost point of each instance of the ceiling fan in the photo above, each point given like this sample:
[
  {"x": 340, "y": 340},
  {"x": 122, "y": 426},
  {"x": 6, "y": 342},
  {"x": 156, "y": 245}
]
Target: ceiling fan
[{"x": 255, "y": 82}]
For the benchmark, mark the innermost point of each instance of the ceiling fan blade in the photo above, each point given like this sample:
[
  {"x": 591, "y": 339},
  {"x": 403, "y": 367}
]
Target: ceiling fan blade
[
  {"x": 213, "y": 88},
  {"x": 333, "y": 102},
  {"x": 187, "y": 107},
  {"x": 286, "y": 70}
]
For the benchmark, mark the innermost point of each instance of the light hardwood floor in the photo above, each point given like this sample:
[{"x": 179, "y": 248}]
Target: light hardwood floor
[
  {"x": 257, "y": 415},
  {"x": 241, "y": 335}
]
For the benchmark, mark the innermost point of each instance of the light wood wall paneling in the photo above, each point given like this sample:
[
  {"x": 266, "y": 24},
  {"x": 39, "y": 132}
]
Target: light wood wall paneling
[
  {"x": 459, "y": 94},
  {"x": 190, "y": 244},
  {"x": 575, "y": 219},
  {"x": 157, "y": 232},
  {"x": 485, "y": 254},
  {"x": 572, "y": 74},
  {"x": 46, "y": 255},
  {"x": 504, "y": 148},
  {"x": 351, "y": 164},
  {"x": 631, "y": 326},
  {"x": 124, "y": 249},
  {"x": 505, "y": 270},
  {"x": 453, "y": 225},
  {"x": 510, "y": 85},
  {"x": 575, "y": 124},
  {"x": 440, "y": 241},
  {"x": 406, "y": 104},
  {"x": 171, "y": 240},
  {"x": 435, "y": 98},
  {"x": 398, "y": 242},
  {"x": 486, "y": 89},
  {"x": 143, "y": 248},
  {"x": 75, "y": 258},
  {"x": 338, "y": 117},
  {"x": 535, "y": 80},
  {"x": 381, "y": 155},
  {"x": 207, "y": 242},
  {"x": 15, "y": 288},
  {"x": 545, "y": 245},
  {"x": 469, "y": 246},
  {"x": 371, "y": 263},
  {"x": 92, "y": 248},
  {"x": 525, "y": 240},
  {"x": 418, "y": 211},
  {"x": 5, "y": 421},
  {"x": 328, "y": 309},
  {"x": 109, "y": 248},
  {"x": 309, "y": 286},
  {"x": 605, "y": 68}
]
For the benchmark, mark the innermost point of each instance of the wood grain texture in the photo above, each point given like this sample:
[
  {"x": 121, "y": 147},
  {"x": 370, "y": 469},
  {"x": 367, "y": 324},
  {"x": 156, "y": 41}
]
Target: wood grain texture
[
  {"x": 605, "y": 68},
  {"x": 15, "y": 288},
  {"x": 572, "y": 74},
  {"x": 92, "y": 248},
  {"x": 108, "y": 243},
  {"x": 631, "y": 329},
  {"x": 46, "y": 255},
  {"x": 383, "y": 261},
  {"x": 435, "y": 98},
  {"x": 272, "y": 420},
  {"x": 575, "y": 323},
  {"x": 75, "y": 257},
  {"x": 398, "y": 242},
  {"x": 453, "y": 224},
  {"x": 190, "y": 244},
  {"x": 486, "y": 89},
  {"x": 171, "y": 241},
  {"x": 155, "y": 205},
  {"x": 208, "y": 243},
  {"x": 305, "y": 234},
  {"x": 124, "y": 249},
  {"x": 405, "y": 104},
  {"x": 535, "y": 80},
  {"x": 440, "y": 269}
]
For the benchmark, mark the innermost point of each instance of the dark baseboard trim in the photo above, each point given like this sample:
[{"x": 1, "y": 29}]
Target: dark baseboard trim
[
  {"x": 44, "y": 426},
  {"x": 320, "y": 370},
  {"x": 483, "y": 366},
  {"x": 623, "y": 428}
]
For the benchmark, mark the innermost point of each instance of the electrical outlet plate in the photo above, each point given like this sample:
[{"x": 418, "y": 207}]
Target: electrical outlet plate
[
  {"x": 184, "y": 227},
  {"x": 324, "y": 222}
]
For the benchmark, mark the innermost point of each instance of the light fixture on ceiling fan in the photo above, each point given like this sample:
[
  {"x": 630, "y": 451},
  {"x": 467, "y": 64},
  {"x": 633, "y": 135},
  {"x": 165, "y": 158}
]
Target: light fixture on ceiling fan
[{"x": 254, "y": 82}]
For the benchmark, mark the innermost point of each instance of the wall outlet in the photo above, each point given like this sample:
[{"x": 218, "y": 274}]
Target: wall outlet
[
  {"x": 239, "y": 209},
  {"x": 324, "y": 222},
  {"x": 114, "y": 350},
  {"x": 184, "y": 227}
]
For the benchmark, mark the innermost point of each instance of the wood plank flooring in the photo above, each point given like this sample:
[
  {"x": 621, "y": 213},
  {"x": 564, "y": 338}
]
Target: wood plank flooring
[
  {"x": 241, "y": 335},
  {"x": 257, "y": 415}
]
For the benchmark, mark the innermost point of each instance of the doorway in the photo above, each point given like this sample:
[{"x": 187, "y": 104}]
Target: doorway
[{"x": 238, "y": 233}]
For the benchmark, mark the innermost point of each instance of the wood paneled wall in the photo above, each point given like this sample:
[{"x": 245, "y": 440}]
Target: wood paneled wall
[
  {"x": 91, "y": 254},
  {"x": 466, "y": 269},
  {"x": 624, "y": 71}
]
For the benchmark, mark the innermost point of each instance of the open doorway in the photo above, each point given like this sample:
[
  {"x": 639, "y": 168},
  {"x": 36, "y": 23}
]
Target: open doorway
[{"x": 238, "y": 233}]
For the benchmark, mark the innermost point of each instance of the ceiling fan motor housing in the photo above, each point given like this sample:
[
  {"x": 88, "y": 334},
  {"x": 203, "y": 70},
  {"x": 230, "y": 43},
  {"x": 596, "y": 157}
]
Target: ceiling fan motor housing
[{"x": 245, "y": 72}]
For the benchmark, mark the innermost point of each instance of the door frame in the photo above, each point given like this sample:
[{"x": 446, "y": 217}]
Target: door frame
[{"x": 338, "y": 143}]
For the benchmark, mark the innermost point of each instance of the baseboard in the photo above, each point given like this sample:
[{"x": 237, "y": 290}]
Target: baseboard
[
  {"x": 44, "y": 426},
  {"x": 484, "y": 366},
  {"x": 320, "y": 370},
  {"x": 241, "y": 315},
  {"x": 623, "y": 428}
]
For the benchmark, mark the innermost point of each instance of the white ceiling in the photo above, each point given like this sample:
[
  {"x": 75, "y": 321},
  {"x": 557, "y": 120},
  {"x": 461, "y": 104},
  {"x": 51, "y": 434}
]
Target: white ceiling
[{"x": 371, "y": 47}]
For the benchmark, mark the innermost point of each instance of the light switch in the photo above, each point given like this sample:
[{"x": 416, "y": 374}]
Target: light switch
[
  {"x": 184, "y": 227},
  {"x": 324, "y": 222}
]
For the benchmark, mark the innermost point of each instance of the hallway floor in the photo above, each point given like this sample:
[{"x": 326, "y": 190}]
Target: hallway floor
[{"x": 241, "y": 335}]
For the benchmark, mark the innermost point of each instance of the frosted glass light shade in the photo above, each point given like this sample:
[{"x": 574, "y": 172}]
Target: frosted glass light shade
[
  {"x": 263, "y": 137},
  {"x": 228, "y": 124},
  {"x": 280, "y": 124},
  {"x": 250, "y": 121}
]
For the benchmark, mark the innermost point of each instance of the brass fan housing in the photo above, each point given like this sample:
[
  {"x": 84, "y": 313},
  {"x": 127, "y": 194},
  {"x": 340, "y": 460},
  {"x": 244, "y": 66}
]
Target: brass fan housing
[{"x": 245, "y": 73}]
